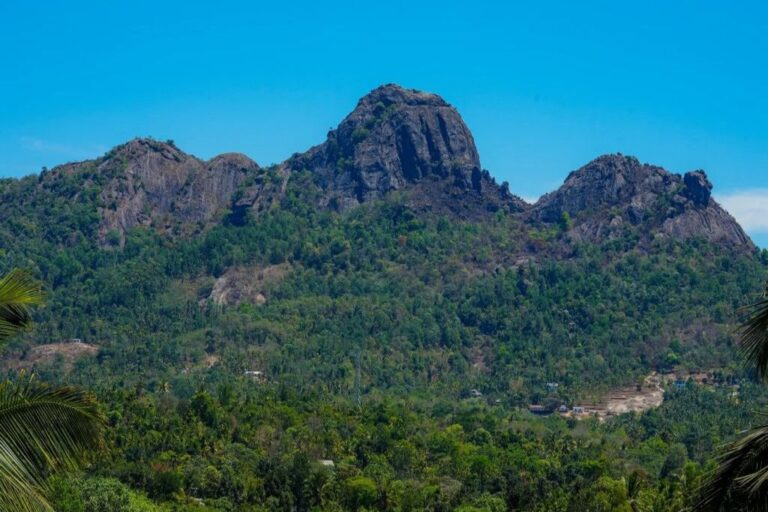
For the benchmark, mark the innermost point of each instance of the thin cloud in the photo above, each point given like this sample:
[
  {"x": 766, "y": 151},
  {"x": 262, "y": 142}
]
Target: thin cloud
[
  {"x": 54, "y": 148},
  {"x": 749, "y": 208}
]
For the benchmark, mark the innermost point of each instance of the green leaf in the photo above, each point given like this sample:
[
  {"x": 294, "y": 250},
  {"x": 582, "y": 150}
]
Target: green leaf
[
  {"x": 18, "y": 292},
  {"x": 42, "y": 429}
]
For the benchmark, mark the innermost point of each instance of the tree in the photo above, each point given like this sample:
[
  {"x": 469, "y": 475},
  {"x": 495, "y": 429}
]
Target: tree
[
  {"x": 74, "y": 493},
  {"x": 740, "y": 480},
  {"x": 42, "y": 429},
  {"x": 635, "y": 483},
  {"x": 360, "y": 492}
]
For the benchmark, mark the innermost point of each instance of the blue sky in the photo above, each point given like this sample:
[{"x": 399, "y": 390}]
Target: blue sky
[{"x": 544, "y": 86}]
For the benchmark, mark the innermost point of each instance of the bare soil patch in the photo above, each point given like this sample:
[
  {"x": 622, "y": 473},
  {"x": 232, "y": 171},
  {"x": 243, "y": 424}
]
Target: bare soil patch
[{"x": 69, "y": 352}]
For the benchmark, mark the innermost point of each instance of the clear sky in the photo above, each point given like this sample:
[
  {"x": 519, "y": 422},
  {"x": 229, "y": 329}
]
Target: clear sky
[{"x": 544, "y": 86}]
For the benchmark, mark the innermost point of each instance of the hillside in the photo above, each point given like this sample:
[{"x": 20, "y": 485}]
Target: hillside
[{"x": 384, "y": 266}]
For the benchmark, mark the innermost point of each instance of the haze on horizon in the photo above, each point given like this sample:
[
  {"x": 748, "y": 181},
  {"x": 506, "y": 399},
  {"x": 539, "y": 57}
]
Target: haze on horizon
[{"x": 540, "y": 87}]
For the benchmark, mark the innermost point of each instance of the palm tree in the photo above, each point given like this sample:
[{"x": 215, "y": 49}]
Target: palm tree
[
  {"x": 42, "y": 429},
  {"x": 635, "y": 483},
  {"x": 740, "y": 481}
]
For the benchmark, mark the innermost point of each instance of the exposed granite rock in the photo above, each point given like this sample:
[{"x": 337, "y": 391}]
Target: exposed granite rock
[
  {"x": 247, "y": 285},
  {"x": 262, "y": 193},
  {"x": 396, "y": 138},
  {"x": 697, "y": 187},
  {"x": 615, "y": 191},
  {"x": 154, "y": 183},
  {"x": 610, "y": 180},
  {"x": 711, "y": 223}
]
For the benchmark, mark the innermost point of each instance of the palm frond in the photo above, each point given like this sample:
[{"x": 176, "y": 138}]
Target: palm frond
[
  {"x": 754, "y": 337},
  {"x": 739, "y": 481},
  {"x": 51, "y": 427},
  {"x": 18, "y": 292},
  {"x": 43, "y": 429},
  {"x": 18, "y": 490}
]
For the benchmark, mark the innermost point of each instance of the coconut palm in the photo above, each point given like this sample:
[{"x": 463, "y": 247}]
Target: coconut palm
[
  {"x": 740, "y": 481},
  {"x": 42, "y": 429}
]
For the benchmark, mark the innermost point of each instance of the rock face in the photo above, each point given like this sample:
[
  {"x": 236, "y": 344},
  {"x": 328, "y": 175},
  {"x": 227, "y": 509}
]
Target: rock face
[
  {"x": 398, "y": 138},
  {"x": 697, "y": 187},
  {"x": 399, "y": 141},
  {"x": 247, "y": 285},
  {"x": 616, "y": 191},
  {"x": 153, "y": 183},
  {"x": 263, "y": 192}
]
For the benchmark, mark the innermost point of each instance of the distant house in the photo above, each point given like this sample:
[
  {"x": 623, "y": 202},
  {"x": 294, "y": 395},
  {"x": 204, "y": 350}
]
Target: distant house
[
  {"x": 475, "y": 393},
  {"x": 328, "y": 463},
  {"x": 578, "y": 410},
  {"x": 255, "y": 374},
  {"x": 552, "y": 386},
  {"x": 538, "y": 409},
  {"x": 563, "y": 408},
  {"x": 75, "y": 340}
]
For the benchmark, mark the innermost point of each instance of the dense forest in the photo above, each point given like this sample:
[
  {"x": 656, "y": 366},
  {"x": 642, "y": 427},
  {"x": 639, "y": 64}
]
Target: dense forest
[{"x": 397, "y": 354}]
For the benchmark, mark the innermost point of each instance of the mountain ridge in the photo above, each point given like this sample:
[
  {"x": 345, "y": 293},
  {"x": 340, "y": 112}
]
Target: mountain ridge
[
  {"x": 397, "y": 137},
  {"x": 615, "y": 190},
  {"x": 396, "y": 140}
]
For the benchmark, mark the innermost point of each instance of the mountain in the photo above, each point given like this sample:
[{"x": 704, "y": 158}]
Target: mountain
[
  {"x": 366, "y": 325},
  {"x": 395, "y": 141},
  {"x": 393, "y": 206},
  {"x": 154, "y": 183},
  {"x": 615, "y": 191},
  {"x": 146, "y": 182}
]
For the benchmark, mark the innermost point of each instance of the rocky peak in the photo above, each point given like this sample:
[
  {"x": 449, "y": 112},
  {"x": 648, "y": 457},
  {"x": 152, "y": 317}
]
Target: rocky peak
[
  {"x": 606, "y": 181},
  {"x": 389, "y": 94},
  {"x": 614, "y": 192},
  {"x": 138, "y": 148},
  {"x": 697, "y": 187},
  {"x": 396, "y": 138},
  {"x": 402, "y": 140},
  {"x": 155, "y": 183}
]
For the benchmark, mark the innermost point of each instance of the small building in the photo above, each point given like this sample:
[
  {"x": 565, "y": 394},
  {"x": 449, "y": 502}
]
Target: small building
[
  {"x": 578, "y": 410},
  {"x": 475, "y": 393},
  {"x": 552, "y": 386},
  {"x": 255, "y": 375},
  {"x": 563, "y": 408},
  {"x": 327, "y": 463},
  {"x": 538, "y": 409}
]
